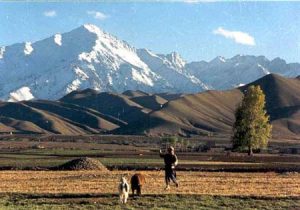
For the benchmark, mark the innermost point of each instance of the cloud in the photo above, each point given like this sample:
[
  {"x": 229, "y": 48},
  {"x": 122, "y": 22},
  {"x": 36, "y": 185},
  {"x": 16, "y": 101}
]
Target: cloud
[
  {"x": 50, "y": 13},
  {"x": 238, "y": 36},
  {"x": 97, "y": 15}
]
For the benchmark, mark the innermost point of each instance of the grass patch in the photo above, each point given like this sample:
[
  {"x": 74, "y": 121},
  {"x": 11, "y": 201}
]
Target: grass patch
[
  {"x": 48, "y": 158},
  {"x": 159, "y": 202}
]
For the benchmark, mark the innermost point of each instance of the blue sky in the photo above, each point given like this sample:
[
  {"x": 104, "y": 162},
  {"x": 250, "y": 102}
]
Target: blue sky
[{"x": 197, "y": 31}]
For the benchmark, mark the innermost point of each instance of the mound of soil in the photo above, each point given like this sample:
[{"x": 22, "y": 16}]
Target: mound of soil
[{"x": 83, "y": 164}]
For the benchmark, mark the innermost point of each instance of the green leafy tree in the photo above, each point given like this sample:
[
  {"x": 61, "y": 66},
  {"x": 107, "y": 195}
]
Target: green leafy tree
[{"x": 252, "y": 129}]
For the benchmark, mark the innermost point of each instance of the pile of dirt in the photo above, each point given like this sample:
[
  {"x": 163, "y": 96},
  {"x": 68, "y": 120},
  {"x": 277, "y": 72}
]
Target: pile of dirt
[{"x": 83, "y": 164}]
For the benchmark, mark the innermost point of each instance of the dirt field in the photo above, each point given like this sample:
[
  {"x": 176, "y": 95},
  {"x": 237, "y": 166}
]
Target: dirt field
[
  {"x": 40, "y": 186},
  {"x": 198, "y": 190},
  {"x": 203, "y": 183}
]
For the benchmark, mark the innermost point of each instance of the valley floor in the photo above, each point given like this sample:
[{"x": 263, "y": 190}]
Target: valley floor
[
  {"x": 198, "y": 190},
  {"x": 29, "y": 179}
]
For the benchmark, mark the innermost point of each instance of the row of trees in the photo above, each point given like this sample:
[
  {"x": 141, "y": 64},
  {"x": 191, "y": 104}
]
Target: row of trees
[
  {"x": 251, "y": 129},
  {"x": 177, "y": 142}
]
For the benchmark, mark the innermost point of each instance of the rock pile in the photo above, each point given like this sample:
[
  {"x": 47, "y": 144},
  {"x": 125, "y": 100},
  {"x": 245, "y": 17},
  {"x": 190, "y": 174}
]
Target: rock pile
[{"x": 83, "y": 164}]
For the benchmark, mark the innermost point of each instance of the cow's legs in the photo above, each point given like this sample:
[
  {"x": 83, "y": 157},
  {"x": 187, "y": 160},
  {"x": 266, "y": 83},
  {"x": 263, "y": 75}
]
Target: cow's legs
[{"x": 139, "y": 191}]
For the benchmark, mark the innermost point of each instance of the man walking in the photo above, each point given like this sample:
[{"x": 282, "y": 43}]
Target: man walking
[{"x": 171, "y": 161}]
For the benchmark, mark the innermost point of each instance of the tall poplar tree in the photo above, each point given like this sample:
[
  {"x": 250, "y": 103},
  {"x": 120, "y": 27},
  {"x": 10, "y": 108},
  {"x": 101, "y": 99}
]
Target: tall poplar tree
[{"x": 252, "y": 128}]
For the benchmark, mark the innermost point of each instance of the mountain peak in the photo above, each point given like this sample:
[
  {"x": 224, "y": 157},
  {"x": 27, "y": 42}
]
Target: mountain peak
[
  {"x": 93, "y": 29},
  {"x": 278, "y": 61},
  {"x": 89, "y": 30},
  {"x": 218, "y": 59},
  {"x": 176, "y": 59}
]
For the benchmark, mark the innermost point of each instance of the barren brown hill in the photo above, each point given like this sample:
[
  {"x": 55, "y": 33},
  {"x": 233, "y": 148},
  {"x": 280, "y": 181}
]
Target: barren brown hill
[
  {"x": 53, "y": 117},
  {"x": 282, "y": 102},
  {"x": 8, "y": 125},
  {"x": 213, "y": 111},
  {"x": 77, "y": 115},
  {"x": 47, "y": 122},
  {"x": 170, "y": 96},
  {"x": 280, "y": 91},
  {"x": 166, "y": 96},
  {"x": 193, "y": 114},
  {"x": 152, "y": 102},
  {"x": 112, "y": 104}
]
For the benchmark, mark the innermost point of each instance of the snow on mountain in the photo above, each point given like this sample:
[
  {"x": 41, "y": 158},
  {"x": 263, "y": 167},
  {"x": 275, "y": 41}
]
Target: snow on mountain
[
  {"x": 2, "y": 50},
  {"x": 171, "y": 68},
  {"x": 28, "y": 48},
  {"x": 111, "y": 48},
  {"x": 88, "y": 57},
  {"x": 240, "y": 85},
  {"x": 221, "y": 73},
  {"x": 222, "y": 59},
  {"x": 266, "y": 71},
  {"x": 174, "y": 60},
  {"x": 22, "y": 94},
  {"x": 218, "y": 60},
  {"x": 57, "y": 39}
]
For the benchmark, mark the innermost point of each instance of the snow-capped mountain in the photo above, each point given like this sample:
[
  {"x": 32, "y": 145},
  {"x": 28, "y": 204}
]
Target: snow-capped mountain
[
  {"x": 221, "y": 73},
  {"x": 88, "y": 57},
  {"x": 171, "y": 67}
]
